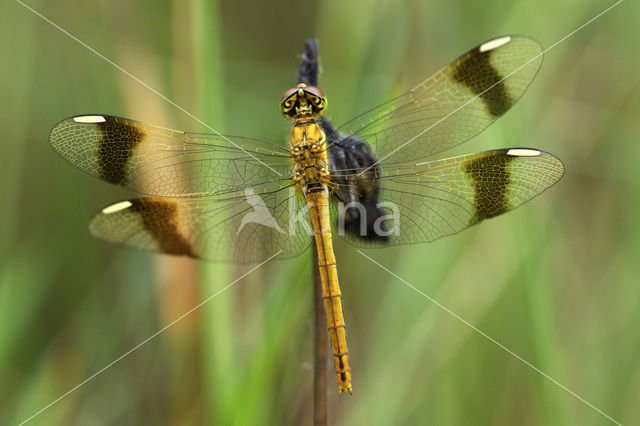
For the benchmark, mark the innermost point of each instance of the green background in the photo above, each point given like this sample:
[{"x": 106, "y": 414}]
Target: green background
[{"x": 555, "y": 281}]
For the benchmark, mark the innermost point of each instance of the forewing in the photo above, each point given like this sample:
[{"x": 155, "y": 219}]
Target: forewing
[
  {"x": 245, "y": 229},
  {"x": 163, "y": 162},
  {"x": 452, "y": 106},
  {"x": 429, "y": 200}
]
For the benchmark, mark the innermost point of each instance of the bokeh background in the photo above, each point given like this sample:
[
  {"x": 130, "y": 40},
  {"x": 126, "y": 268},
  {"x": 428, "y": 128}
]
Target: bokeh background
[{"x": 555, "y": 281}]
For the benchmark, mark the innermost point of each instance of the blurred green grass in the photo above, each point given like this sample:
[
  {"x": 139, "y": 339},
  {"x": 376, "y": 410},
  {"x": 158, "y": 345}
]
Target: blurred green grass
[{"x": 555, "y": 281}]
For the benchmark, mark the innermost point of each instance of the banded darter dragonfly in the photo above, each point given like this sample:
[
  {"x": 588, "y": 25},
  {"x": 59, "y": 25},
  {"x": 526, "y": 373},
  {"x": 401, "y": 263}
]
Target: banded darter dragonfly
[{"x": 372, "y": 180}]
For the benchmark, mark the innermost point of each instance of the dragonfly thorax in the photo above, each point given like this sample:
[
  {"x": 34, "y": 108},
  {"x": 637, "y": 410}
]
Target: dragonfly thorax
[{"x": 309, "y": 154}]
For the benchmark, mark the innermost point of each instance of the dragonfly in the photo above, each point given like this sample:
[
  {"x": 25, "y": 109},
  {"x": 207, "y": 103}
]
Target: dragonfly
[{"x": 376, "y": 180}]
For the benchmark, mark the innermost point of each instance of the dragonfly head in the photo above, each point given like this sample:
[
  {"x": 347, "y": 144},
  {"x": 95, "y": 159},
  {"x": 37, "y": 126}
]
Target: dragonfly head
[{"x": 302, "y": 101}]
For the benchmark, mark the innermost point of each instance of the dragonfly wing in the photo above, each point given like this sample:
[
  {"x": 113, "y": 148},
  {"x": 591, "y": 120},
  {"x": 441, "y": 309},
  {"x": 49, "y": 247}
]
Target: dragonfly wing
[
  {"x": 453, "y": 105},
  {"x": 164, "y": 162},
  {"x": 245, "y": 229},
  {"x": 426, "y": 201}
]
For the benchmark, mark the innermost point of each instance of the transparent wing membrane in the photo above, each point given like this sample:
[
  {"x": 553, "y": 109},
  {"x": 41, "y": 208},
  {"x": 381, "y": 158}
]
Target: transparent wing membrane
[
  {"x": 453, "y": 105},
  {"x": 426, "y": 201},
  {"x": 245, "y": 229},
  {"x": 163, "y": 162}
]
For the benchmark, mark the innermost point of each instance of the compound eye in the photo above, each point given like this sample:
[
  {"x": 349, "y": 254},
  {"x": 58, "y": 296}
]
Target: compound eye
[
  {"x": 288, "y": 93},
  {"x": 315, "y": 91}
]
